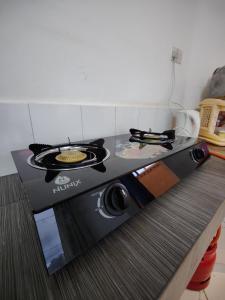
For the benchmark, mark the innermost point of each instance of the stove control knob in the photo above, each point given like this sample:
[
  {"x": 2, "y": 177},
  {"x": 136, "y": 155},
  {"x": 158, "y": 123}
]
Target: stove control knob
[
  {"x": 116, "y": 199},
  {"x": 198, "y": 154}
]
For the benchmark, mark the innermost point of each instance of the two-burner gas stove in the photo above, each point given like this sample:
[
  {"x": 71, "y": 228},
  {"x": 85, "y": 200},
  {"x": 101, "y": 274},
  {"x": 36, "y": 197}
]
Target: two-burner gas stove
[{"x": 80, "y": 192}]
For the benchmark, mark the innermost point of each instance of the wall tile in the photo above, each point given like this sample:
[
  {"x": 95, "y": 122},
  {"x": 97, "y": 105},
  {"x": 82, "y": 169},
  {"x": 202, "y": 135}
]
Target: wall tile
[
  {"x": 191, "y": 295},
  {"x": 126, "y": 118},
  {"x": 147, "y": 118},
  {"x": 158, "y": 119},
  {"x": 53, "y": 123},
  {"x": 163, "y": 119},
  {"x": 15, "y": 132},
  {"x": 98, "y": 121}
]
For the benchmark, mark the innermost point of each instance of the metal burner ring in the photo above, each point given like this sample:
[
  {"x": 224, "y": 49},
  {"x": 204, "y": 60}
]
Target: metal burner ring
[{"x": 30, "y": 163}]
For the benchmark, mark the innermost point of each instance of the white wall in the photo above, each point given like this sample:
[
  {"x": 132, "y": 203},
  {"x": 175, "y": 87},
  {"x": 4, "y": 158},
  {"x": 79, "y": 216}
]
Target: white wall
[
  {"x": 112, "y": 53},
  {"x": 93, "y": 51},
  {"x": 208, "y": 48}
]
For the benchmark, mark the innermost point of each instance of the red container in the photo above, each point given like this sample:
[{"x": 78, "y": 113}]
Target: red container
[
  {"x": 198, "y": 286},
  {"x": 216, "y": 237},
  {"x": 204, "y": 270},
  {"x": 201, "y": 277}
]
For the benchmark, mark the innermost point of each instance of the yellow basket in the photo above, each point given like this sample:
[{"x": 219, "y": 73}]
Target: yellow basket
[{"x": 210, "y": 109}]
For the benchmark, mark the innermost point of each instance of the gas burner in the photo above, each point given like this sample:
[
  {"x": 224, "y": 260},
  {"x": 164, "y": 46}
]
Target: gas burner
[
  {"x": 69, "y": 156},
  {"x": 165, "y": 139}
]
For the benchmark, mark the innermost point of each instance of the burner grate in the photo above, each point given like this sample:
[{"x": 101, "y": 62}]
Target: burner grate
[
  {"x": 165, "y": 139},
  {"x": 67, "y": 156}
]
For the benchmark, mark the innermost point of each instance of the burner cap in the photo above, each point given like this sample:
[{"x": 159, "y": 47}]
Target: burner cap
[{"x": 71, "y": 156}]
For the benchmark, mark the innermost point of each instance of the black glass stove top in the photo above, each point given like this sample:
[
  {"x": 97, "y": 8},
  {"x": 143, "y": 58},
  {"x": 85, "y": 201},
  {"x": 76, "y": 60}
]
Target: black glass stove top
[
  {"x": 74, "y": 209},
  {"x": 46, "y": 188}
]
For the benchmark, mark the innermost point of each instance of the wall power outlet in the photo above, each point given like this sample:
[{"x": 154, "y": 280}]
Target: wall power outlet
[{"x": 177, "y": 55}]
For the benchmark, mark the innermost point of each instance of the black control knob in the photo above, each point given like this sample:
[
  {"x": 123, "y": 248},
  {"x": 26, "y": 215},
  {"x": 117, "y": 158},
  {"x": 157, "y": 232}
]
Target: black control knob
[
  {"x": 116, "y": 199},
  {"x": 198, "y": 154}
]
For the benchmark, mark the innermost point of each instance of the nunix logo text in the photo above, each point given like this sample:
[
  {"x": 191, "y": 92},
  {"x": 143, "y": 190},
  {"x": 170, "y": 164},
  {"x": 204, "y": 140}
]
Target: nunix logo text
[
  {"x": 62, "y": 180},
  {"x": 64, "y": 183}
]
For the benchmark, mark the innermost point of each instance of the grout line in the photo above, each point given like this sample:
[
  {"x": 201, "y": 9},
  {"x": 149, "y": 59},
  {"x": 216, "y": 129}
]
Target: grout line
[
  {"x": 89, "y": 102},
  {"x": 82, "y": 124},
  {"x": 202, "y": 296},
  {"x": 138, "y": 118},
  {"x": 205, "y": 295},
  {"x": 115, "y": 120},
  {"x": 32, "y": 128}
]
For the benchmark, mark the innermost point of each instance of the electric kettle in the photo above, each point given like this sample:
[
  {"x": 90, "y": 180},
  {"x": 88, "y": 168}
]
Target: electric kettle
[{"x": 187, "y": 123}]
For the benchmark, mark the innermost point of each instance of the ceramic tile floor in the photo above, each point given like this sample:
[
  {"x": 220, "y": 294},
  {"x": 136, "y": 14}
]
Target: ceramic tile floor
[{"x": 216, "y": 288}]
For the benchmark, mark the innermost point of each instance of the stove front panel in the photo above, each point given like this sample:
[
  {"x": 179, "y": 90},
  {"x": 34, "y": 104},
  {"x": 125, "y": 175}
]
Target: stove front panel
[{"x": 69, "y": 229}]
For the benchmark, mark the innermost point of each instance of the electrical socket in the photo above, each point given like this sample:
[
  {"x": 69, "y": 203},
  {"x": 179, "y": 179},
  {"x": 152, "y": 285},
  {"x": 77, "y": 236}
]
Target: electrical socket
[{"x": 176, "y": 55}]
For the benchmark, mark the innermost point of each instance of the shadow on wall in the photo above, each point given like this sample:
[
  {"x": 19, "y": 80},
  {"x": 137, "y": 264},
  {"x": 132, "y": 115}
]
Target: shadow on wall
[{"x": 215, "y": 87}]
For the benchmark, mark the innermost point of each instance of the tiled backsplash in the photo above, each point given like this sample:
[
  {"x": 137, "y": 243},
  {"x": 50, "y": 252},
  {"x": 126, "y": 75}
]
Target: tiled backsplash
[
  {"x": 54, "y": 123},
  {"x": 22, "y": 124}
]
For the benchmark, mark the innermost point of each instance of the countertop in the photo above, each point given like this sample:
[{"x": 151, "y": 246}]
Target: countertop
[{"x": 152, "y": 256}]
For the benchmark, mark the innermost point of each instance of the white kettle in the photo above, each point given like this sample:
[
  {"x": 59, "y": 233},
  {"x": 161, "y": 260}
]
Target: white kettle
[{"x": 187, "y": 123}]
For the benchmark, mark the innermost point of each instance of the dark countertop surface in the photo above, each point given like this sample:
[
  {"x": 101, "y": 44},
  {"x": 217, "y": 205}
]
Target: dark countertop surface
[{"x": 137, "y": 261}]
